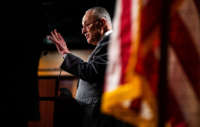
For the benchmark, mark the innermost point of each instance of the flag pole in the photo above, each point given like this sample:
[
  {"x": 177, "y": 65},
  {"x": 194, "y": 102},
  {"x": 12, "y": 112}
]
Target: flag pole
[{"x": 162, "y": 85}]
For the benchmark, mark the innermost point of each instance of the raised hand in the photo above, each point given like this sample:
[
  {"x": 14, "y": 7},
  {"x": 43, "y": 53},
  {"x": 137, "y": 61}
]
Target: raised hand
[{"x": 59, "y": 41}]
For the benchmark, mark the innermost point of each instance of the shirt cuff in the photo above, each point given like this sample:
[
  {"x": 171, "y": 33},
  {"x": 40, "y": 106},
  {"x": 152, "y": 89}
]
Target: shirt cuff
[{"x": 64, "y": 56}]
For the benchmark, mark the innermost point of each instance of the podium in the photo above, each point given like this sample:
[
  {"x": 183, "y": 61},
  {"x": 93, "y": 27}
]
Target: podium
[{"x": 51, "y": 83}]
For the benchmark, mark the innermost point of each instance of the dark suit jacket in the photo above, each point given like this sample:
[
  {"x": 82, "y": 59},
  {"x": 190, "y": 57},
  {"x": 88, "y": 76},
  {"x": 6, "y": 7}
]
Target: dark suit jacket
[{"x": 91, "y": 76}]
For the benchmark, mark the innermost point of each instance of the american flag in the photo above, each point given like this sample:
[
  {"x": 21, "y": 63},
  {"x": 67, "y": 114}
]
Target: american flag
[{"x": 132, "y": 76}]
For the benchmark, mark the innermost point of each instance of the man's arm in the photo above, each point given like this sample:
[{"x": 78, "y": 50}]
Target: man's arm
[{"x": 89, "y": 71}]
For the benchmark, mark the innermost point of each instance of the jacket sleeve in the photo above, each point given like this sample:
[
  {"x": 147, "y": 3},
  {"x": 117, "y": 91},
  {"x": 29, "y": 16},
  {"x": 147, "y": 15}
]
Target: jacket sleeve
[{"x": 90, "y": 71}]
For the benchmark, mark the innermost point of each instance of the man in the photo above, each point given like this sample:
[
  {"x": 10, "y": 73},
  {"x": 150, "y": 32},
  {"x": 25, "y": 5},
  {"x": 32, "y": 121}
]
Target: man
[{"x": 97, "y": 28}]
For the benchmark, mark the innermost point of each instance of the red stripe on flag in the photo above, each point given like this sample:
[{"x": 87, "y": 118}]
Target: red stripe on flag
[
  {"x": 148, "y": 67},
  {"x": 150, "y": 18},
  {"x": 174, "y": 115},
  {"x": 125, "y": 35},
  {"x": 186, "y": 52}
]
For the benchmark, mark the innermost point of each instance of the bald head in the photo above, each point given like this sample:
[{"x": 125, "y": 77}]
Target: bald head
[{"x": 100, "y": 12}]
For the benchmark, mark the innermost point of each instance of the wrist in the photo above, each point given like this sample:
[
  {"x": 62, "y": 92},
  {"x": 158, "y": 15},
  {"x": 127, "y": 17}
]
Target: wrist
[
  {"x": 64, "y": 55},
  {"x": 66, "y": 51}
]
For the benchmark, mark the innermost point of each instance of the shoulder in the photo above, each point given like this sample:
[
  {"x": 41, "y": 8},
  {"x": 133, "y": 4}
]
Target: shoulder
[
  {"x": 103, "y": 45},
  {"x": 105, "y": 40}
]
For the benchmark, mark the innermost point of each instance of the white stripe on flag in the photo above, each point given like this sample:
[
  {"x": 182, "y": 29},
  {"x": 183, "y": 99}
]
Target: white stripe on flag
[
  {"x": 113, "y": 72},
  {"x": 189, "y": 15},
  {"x": 183, "y": 91}
]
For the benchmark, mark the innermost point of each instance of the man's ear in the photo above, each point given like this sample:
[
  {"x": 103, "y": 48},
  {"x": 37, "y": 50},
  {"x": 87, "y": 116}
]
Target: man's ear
[{"x": 102, "y": 22}]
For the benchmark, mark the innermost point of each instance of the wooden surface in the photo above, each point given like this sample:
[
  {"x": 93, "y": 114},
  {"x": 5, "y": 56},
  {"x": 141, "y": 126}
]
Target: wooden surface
[{"x": 49, "y": 85}]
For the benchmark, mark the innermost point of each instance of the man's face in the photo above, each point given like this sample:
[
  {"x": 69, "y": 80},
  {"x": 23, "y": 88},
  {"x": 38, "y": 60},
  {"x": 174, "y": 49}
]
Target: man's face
[{"x": 91, "y": 28}]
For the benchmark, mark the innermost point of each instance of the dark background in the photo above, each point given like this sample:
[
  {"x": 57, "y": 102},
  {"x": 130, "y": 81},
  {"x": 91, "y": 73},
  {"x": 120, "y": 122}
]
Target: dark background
[{"x": 66, "y": 17}]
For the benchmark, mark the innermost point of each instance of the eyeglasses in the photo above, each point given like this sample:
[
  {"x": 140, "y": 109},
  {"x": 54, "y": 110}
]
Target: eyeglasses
[{"x": 87, "y": 25}]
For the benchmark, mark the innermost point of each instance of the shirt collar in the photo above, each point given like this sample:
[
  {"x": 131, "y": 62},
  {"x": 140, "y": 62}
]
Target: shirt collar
[
  {"x": 108, "y": 32},
  {"x": 105, "y": 34}
]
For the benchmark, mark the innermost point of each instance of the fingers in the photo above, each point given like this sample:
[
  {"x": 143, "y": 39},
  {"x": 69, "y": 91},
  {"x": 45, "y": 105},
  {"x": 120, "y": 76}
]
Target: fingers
[
  {"x": 55, "y": 33},
  {"x": 58, "y": 48},
  {"x": 55, "y": 36},
  {"x": 60, "y": 37},
  {"x": 52, "y": 39}
]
